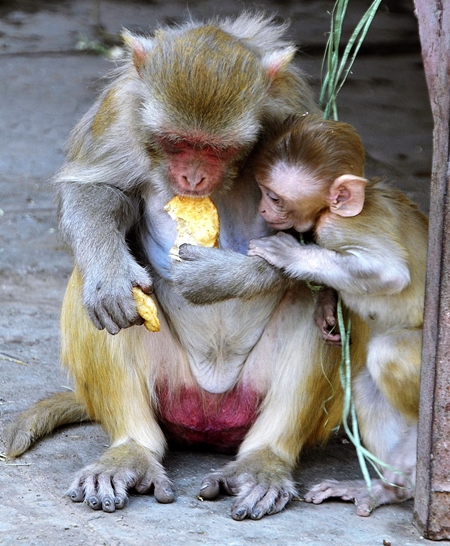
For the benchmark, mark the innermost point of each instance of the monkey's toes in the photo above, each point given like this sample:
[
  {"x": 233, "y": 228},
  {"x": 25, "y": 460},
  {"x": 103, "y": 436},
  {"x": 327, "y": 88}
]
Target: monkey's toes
[
  {"x": 350, "y": 490},
  {"x": 318, "y": 493},
  {"x": 164, "y": 493},
  {"x": 258, "y": 493},
  {"x": 262, "y": 500},
  {"x": 163, "y": 487},
  {"x": 210, "y": 488},
  {"x": 100, "y": 492},
  {"x": 105, "y": 485}
]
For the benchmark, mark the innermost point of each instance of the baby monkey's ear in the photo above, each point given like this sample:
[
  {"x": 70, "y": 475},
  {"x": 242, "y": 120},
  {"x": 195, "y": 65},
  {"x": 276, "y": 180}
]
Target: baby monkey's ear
[{"x": 347, "y": 195}]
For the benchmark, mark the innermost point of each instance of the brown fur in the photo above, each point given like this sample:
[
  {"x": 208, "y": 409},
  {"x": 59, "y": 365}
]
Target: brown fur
[{"x": 371, "y": 245}]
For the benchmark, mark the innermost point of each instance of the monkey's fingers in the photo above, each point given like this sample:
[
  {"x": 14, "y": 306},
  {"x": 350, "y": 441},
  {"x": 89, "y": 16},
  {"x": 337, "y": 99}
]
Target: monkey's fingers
[
  {"x": 114, "y": 317},
  {"x": 329, "y": 333},
  {"x": 189, "y": 252},
  {"x": 334, "y": 340},
  {"x": 147, "y": 309},
  {"x": 162, "y": 487}
]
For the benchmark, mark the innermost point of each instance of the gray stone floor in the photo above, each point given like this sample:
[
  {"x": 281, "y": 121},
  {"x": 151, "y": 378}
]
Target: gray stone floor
[{"x": 45, "y": 86}]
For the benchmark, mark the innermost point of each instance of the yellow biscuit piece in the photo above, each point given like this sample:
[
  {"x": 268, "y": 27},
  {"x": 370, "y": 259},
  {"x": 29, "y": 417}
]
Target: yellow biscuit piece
[
  {"x": 197, "y": 221},
  {"x": 146, "y": 308}
]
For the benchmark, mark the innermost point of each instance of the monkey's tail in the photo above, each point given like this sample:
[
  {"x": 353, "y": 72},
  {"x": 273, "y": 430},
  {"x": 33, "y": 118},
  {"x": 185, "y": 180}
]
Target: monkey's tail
[{"x": 41, "y": 419}]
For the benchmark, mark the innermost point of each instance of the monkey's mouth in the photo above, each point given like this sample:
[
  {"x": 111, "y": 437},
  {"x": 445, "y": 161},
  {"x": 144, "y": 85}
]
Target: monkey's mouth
[
  {"x": 280, "y": 226},
  {"x": 197, "y": 193}
]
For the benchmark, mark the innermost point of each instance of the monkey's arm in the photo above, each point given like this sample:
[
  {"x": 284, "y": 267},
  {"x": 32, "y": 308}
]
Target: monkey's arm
[
  {"x": 209, "y": 275},
  {"x": 94, "y": 219},
  {"x": 356, "y": 269}
]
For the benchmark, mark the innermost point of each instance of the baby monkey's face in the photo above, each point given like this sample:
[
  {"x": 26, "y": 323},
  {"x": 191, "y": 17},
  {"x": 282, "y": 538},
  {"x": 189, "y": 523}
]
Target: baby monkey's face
[{"x": 290, "y": 198}]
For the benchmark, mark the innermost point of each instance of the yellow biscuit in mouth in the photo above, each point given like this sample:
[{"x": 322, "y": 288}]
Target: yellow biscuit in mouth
[
  {"x": 146, "y": 308},
  {"x": 197, "y": 222}
]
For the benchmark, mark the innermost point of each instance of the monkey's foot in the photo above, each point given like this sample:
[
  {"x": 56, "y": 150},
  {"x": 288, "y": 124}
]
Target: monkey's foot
[
  {"x": 356, "y": 491},
  {"x": 105, "y": 485},
  {"x": 262, "y": 483}
]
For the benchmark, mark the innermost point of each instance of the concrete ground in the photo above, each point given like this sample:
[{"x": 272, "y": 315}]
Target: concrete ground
[{"x": 45, "y": 86}]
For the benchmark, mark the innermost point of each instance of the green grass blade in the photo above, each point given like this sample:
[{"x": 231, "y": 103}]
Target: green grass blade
[{"x": 338, "y": 70}]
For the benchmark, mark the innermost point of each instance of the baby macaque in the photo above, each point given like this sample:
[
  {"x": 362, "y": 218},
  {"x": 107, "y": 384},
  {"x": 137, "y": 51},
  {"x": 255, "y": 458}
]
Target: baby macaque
[{"x": 370, "y": 244}]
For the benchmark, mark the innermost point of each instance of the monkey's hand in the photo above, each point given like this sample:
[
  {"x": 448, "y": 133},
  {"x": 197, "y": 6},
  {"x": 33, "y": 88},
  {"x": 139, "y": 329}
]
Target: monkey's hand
[
  {"x": 209, "y": 275},
  {"x": 325, "y": 316},
  {"x": 108, "y": 296},
  {"x": 279, "y": 250}
]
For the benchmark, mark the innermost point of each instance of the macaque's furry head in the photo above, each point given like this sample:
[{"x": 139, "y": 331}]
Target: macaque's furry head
[
  {"x": 213, "y": 80},
  {"x": 324, "y": 148}
]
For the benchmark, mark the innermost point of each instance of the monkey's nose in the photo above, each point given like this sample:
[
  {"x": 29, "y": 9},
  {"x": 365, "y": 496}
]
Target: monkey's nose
[{"x": 193, "y": 181}]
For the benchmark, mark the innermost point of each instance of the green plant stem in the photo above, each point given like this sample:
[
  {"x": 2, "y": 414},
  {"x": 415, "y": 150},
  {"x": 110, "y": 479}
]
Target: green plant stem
[{"x": 338, "y": 70}]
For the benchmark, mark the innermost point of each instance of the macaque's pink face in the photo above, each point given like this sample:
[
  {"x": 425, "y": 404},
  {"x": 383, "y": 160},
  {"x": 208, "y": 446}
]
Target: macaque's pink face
[
  {"x": 290, "y": 199},
  {"x": 196, "y": 170}
]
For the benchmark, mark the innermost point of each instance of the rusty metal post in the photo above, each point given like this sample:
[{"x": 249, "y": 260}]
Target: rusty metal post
[{"x": 432, "y": 501}]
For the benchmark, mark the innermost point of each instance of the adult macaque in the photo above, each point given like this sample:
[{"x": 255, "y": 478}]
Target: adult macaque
[
  {"x": 180, "y": 118},
  {"x": 371, "y": 244}
]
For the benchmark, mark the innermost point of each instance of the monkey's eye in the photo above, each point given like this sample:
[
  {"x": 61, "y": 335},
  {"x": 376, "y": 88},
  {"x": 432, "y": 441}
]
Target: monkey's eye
[
  {"x": 172, "y": 147},
  {"x": 273, "y": 197},
  {"x": 169, "y": 146},
  {"x": 229, "y": 152}
]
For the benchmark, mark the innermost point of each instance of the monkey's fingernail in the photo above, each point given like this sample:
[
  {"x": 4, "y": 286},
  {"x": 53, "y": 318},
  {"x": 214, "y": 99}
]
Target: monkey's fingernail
[
  {"x": 109, "y": 505},
  {"x": 75, "y": 496},
  {"x": 241, "y": 513},
  {"x": 93, "y": 503}
]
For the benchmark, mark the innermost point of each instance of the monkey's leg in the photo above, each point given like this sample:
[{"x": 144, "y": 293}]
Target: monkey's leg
[
  {"x": 294, "y": 413},
  {"x": 394, "y": 360},
  {"x": 41, "y": 419},
  {"x": 113, "y": 379},
  {"x": 388, "y": 435}
]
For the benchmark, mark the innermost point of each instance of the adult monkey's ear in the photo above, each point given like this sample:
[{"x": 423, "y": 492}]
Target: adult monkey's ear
[
  {"x": 347, "y": 195},
  {"x": 138, "y": 46},
  {"x": 276, "y": 62}
]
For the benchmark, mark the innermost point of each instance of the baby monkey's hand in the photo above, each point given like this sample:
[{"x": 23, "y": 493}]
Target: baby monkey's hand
[
  {"x": 279, "y": 250},
  {"x": 325, "y": 316}
]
